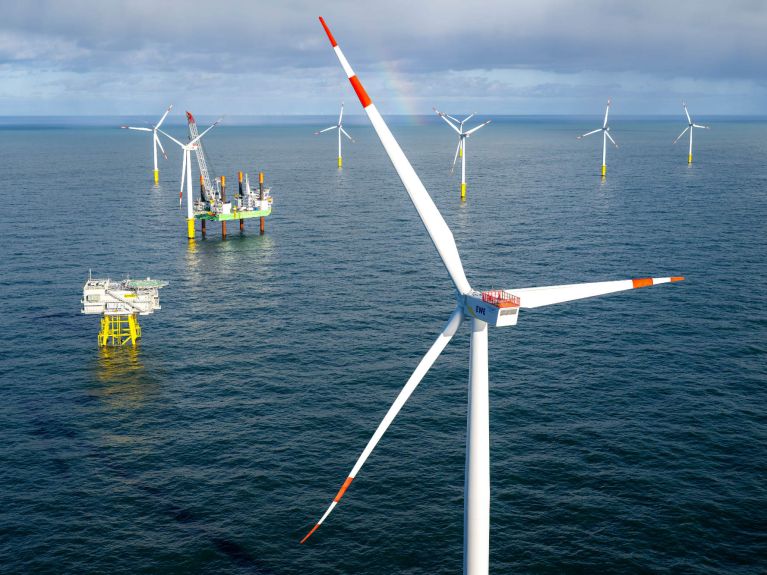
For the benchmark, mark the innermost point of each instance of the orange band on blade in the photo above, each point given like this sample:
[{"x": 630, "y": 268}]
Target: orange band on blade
[
  {"x": 343, "y": 489},
  {"x": 310, "y": 533},
  {"x": 327, "y": 31},
  {"x": 642, "y": 282},
  {"x": 677, "y": 279},
  {"x": 361, "y": 93}
]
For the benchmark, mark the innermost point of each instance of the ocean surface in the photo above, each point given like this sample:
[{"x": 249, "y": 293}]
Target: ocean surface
[{"x": 628, "y": 432}]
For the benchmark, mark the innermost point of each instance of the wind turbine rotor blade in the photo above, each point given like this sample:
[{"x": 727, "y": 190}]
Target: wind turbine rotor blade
[
  {"x": 470, "y": 132},
  {"x": 345, "y": 134},
  {"x": 699, "y": 126},
  {"x": 589, "y": 133},
  {"x": 611, "y": 138},
  {"x": 469, "y": 117},
  {"x": 341, "y": 115},
  {"x": 455, "y": 159},
  {"x": 549, "y": 295},
  {"x": 607, "y": 111},
  {"x": 682, "y": 134},
  {"x": 446, "y": 115},
  {"x": 183, "y": 175},
  {"x": 165, "y": 115},
  {"x": 326, "y": 129},
  {"x": 171, "y": 138},
  {"x": 213, "y": 125},
  {"x": 686, "y": 113},
  {"x": 137, "y": 129},
  {"x": 420, "y": 371},
  {"x": 449, "y": 123},
  {"x": 435, "y": 224},
  {"x": 159, "y": 143}
]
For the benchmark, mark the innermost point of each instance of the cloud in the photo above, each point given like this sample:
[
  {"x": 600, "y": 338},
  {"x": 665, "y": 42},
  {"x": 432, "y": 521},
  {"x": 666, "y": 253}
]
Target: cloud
[{"x": 572, "y": 48}]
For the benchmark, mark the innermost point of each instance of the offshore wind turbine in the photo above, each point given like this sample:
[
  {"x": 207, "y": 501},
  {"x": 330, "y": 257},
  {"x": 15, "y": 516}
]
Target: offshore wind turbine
[
  {"x": 339, "y": 126},
  {"x": 690, "y": 126},
  {"x": 495, "y": 307},
  {"x": 155, "y": 141},
  {"x": 186, "y": 174},
  {"x": 605, "y": 129},
  {"x": 461, "y": 149}
]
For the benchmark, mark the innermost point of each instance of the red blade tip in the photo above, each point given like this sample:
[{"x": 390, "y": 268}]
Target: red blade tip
[
  {"x": 327, "y": 31},
  {"x": 310, "y": 533}
]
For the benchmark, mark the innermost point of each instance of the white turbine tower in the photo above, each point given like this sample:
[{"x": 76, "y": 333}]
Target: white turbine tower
[
  {"x": 499, "y": 308},
  {"x": 461, "y": 149},
  {"x": 155, "y": 141},
  {"x": 340, "y": 128},
  {"x": 186, "y": 174},
  {"x": 605, "y": 129},
  {"x": 690, "y": 126}
]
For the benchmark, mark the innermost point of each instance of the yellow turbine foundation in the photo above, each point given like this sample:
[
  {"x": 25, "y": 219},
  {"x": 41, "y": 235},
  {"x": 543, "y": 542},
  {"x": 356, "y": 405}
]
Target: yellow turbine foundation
[
  {"x": 463, "y": 191},
  {"x": 340, "y": 161},
  {"x": 604, "y": 170},
  {"x": 156, "y": 177},
  {"x": 689, "y": 159},
  {"x": 117, "y": 330},
  {"x": 190, "y": 229}
]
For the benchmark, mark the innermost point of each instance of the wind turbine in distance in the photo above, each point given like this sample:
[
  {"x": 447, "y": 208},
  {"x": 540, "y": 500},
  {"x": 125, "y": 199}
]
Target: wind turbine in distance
[
  {"x": 186, "y": 173},
  {"x": 495, "y": 307},
  {"x": 341, "y": 130},
  {"x": 605, "y": 129},
  {"x": 461, "y": 149},
  {"x": 155, "y": 141},
  {"x": 690, "y": 126}
]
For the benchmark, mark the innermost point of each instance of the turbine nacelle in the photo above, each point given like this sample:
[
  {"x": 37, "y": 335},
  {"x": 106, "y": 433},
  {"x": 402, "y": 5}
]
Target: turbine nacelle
[{"x": 498, "y": 308}]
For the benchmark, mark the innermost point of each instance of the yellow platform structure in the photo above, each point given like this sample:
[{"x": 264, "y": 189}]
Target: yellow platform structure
[{"x": 119, "y": 330}]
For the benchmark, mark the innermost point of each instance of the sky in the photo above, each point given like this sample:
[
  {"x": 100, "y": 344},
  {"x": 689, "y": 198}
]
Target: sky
[{"x": 240, "y": 57}]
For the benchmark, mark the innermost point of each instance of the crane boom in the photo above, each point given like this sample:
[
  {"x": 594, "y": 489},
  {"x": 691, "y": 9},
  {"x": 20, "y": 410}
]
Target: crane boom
[{"x": 210, "y": 190}]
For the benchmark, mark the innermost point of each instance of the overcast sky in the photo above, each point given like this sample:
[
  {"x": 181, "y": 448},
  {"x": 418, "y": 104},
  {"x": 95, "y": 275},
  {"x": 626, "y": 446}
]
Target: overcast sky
[{"x": 238, "y": 57}]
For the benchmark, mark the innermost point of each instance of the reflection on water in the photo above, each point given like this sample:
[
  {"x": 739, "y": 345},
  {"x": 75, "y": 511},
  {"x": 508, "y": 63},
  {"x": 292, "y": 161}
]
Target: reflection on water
[
  {"x": 213, "y": 251},
  {"x": 123, "y": 377}
]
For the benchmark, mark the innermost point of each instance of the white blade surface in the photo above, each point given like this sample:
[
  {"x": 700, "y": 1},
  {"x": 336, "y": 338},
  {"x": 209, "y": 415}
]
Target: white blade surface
[
  {"x": 470, "y": 132},
  {"x": 589, "y": 133},
  {"x": 682, "y": 134},
  {"x": 165, "y": 115},
  {"x": 171, "y": 138},
  {"x": 611, "y": 138},
  {"x": 183, "y": 176},
  {"x": 435, "y": 224},
  {"x": 686, "y": 113},
  {"x": 455, "y": 159},
  {"x": 420, "y": 371},
  {"x": 699, "y": 126},
  {"x": 159, "y": 143},
  {"x": 449, "y": 123},
  {"x": 138, "y": 129},
  {"x": 469, "y": 117},
  {"x": 607, "y": 111},
  {"x": 345, "y": 134},
  {"x": 213, "y": 125},
  {"x": 541, "y": 296},
  {"x": 326, "y": 129},
  {"x": 341, "y": 115},
  {"x": 448, "y": 115}
]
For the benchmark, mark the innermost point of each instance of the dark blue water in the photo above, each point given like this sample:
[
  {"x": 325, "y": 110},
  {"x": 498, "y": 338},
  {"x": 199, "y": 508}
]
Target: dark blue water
[{"x": 628, "y": 432}]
